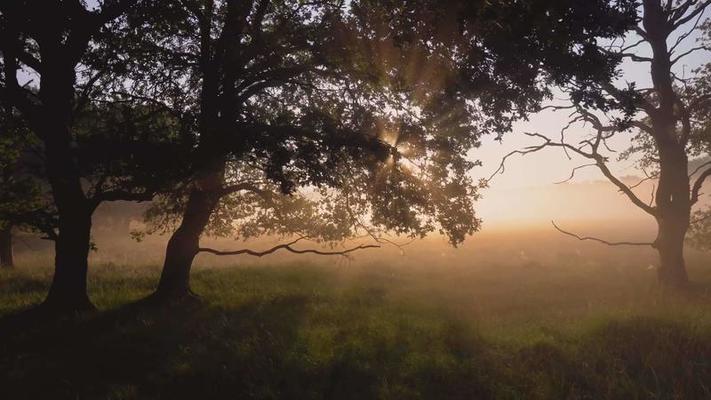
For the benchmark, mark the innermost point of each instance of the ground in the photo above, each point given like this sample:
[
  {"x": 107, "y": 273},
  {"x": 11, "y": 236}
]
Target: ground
[{"x": 298, "y": 331}]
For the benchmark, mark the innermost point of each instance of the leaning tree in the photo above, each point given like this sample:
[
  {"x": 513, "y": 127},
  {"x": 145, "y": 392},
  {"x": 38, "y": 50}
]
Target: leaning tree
[
  {"x": 272, "y": 112},
  {"x": 364, "y": 112},
  {"x": 667, "y": 122}
]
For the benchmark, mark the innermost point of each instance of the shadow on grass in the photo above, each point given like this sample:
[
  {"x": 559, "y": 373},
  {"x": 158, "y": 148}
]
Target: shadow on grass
[
  {"x": 636, "y": 358},
  {"x": 145, "y": 353},
  {"x": 336, "y": 346},
  {"x": 255, "y": 350}
]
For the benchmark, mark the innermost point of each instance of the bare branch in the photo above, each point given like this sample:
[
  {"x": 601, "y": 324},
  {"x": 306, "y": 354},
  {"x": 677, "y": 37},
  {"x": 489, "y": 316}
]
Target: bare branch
[
  {"x": 686, "y": 53},
  {"x": 594, "y": 239},
  {"x": 641, "y": 32},
  {"x": 699, "y": 168},
  {"x": 557, "y": 108},
  {"x": 600, "y": 160},
  {"x": 527, "y": 150},
  {"x": 632, "y": 46},
  {"x": 648, "y": 178},
  {"x": 287, "y": 247},
  {"x": 116, "y": 195},
  {"x": 688, "y": 33},
  {"x": 635, "y": 57},
  {"x": 697, "y": 185},
  {"x": 626, "y": 190},
  {"x": 572, "y": 173},
  {"x": 680, "y": 20}
]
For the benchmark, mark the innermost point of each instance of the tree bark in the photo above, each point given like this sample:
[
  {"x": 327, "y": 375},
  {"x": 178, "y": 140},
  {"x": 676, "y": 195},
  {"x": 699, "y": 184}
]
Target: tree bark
[
  {"x": 217, "y": 102},
  {"x": 6, "y": 259},
  {"x": 68, "y": 292},
  {"x": 670, "y": 245},
  {"x": 61, "y": 35},
  {"x": 174, "y": 284},
  {"x": 673, "y": 196},
  {"x": 673, "y": 215}
]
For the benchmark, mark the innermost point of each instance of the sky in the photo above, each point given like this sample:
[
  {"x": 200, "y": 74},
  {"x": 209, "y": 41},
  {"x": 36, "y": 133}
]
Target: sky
[{"x": 526, "y": 193}]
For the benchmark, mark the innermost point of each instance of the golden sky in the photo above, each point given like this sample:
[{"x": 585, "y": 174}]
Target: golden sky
[{"x": 527, "y": 192}]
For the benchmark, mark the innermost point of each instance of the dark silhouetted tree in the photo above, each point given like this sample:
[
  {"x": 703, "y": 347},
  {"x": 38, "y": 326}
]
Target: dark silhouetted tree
[
  {"x": 51, "y": 38},
  {"x": 58, "y": 66},
  {"x": 23, "y": 205},
  {"x": 669, "y": 119},
  {"x": 363, "y": 112}
]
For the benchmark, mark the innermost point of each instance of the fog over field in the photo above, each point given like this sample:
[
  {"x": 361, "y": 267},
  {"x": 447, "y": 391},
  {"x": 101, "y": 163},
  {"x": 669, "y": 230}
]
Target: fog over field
[
  {"x": 355, "y": 199},
  {"x": 516, "y": 230}
]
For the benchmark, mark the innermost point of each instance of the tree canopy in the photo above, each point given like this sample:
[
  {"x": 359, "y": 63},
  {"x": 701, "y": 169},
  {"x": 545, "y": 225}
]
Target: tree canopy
[{"x": 327, "y": 120}]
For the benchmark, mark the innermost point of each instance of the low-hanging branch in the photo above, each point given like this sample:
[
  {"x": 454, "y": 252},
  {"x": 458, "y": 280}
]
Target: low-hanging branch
[
  {"x": 287, "y": 247},
  {"x": 594, "y": 239}
]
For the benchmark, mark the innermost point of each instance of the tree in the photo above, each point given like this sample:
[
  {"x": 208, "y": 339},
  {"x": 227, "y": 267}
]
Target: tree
[
  {"x": 233, "y": 81},
  {"x": 64, "y": 45},
  {"x": 6, "y": 259},
  {"x": 668, "y": 118},
  {"x": 51, "y": 38},
  {"x": 22, "y": 201},
  {"x": 700, "y": 144},
  {"x": 350, "y": 102}
]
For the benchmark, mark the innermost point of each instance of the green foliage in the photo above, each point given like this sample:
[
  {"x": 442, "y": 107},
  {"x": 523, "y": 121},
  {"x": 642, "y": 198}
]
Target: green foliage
[
  {"x": 375, "y": 106},
  {"x": 131, "y": 148},
  {"x": 23, "y": 201},
  {"x": 698, "y": 93},
  {"x": 700, "y": 230}
]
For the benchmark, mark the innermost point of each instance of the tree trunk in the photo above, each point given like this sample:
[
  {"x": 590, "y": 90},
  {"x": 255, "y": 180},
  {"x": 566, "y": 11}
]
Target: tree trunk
[
  {"x": 670, "y": 245},
  {"x": 183, "y": 245},
  {"x": 68, "y": 292},
  {"x": 674, "y": 214},
  {"x": 673, "y": 196},
  {"x": 6, "y": 259}
]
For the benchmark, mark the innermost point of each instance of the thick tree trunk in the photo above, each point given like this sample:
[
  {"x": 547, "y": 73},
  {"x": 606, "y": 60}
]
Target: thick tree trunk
[
  {"x": 68, "y": 292},
  {"x": 673, "y": 215},
  {"x": 174, "y": 285},
  {"x": 6, "y": 259},
  {"x": 673, "y": 197},
  {"x": 183, "y": 246},
  {"x": 670, "y": 245},
  {"x": 61, "y": 43}
]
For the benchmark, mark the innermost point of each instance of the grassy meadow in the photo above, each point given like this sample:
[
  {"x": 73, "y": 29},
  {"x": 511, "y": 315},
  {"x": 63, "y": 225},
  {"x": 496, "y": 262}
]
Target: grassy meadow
[{"x": 370, "y": 330}]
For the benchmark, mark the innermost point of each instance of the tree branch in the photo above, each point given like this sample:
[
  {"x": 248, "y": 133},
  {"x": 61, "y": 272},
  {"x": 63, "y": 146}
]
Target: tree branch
[
  {"x": 697, "y": 185},
  {"x": 679, "y": 20},
  {"x": 594, "y": 239},
  {"x": 287, "y": 247},
  {"x": 686, "y": 53},
  {"x": 116, "y": 195},
  {"x": 572, "y": 173},
  {"x": 593, "y": 155}
]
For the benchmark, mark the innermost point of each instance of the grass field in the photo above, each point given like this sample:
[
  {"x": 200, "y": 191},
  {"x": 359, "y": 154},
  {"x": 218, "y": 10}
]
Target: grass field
[{"x": 299, "y": 331}]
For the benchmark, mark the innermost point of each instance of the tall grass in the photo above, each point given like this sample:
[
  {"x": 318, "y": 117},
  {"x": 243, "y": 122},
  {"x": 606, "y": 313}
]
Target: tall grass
[{"x": 298, "y": 331}]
